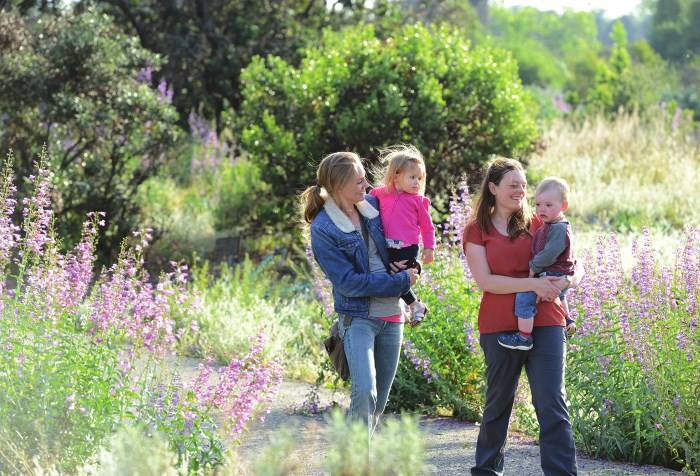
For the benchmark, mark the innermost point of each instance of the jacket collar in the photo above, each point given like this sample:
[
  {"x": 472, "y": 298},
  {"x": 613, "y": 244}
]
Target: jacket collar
[{"x": 341, "y": 220}]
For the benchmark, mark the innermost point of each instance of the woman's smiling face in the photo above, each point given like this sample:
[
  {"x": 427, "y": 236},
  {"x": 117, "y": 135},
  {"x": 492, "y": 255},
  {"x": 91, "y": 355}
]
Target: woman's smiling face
[
  {"x": 353, "y": 190},
  {"x": 510, "y": 193}
]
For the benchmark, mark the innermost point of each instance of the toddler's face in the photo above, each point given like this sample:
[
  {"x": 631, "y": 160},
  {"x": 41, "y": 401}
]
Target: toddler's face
[
  {"x": 549, "y": 205},
  {"x": 409, "y": 180}
]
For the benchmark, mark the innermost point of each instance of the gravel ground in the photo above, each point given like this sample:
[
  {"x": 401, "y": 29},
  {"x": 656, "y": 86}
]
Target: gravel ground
[{"x": 449, "y": 443}]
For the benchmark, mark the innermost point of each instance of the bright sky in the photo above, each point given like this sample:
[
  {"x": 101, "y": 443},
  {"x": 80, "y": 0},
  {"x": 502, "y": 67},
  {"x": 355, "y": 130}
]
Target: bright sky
[{"x": 613, "y": 8}]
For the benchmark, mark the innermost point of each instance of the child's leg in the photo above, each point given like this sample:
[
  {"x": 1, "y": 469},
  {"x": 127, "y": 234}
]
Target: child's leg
[
  {"x": 409, "y": 253},
  {"x": 525, "y": 308},
  {"x": 570, "y": 324}
]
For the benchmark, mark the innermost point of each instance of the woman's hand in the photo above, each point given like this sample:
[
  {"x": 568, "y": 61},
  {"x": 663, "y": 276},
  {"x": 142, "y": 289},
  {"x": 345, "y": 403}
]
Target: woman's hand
[
  {"x": 559, "y": 281},
  {"x": 397, "y": 266},
  {"x": 546, "y": 289}
]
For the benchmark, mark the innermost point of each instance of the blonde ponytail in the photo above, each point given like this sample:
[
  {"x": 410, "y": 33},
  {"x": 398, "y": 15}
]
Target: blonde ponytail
[{"x": 311, "y": 202}]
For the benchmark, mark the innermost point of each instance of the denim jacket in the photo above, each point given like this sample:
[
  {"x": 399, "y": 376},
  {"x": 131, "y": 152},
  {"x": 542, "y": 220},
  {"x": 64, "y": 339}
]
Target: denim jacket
[{"x": 342, "y": 255}]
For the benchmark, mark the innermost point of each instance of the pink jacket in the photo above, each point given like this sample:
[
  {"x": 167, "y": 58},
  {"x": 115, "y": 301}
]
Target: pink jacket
[{"x": 405, "y": 217}]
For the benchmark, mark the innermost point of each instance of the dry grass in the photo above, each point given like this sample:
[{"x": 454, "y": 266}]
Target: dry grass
[{"x": 625, "y": 173}]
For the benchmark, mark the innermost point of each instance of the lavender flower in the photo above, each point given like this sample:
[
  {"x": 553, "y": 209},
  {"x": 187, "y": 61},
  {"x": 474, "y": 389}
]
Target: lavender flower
[{"x": 421, "y": 364}]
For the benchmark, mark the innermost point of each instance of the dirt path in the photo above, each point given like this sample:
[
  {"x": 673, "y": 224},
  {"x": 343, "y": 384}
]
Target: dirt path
[{"x": 449, "y": 443}]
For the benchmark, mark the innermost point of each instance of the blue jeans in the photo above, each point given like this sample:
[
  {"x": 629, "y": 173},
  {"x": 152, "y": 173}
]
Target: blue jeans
[
  {"x": 372, "y": 347},
  {"x": 526, "y": 303}
]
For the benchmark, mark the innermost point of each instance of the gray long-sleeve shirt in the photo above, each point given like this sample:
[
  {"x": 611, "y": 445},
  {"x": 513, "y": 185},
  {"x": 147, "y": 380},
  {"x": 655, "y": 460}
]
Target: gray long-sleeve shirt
[{"x": 551, "y": 249}]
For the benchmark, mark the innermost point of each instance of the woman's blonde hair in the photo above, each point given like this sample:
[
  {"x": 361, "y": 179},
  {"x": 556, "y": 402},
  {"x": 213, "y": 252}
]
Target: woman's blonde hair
[
  {"x": 334, "y": 171},
  {"x": 519, "y": 222},
  {"x": 396, "y": 159}
]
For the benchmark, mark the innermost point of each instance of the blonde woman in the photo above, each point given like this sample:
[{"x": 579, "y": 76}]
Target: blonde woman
[{"x": 347, "y": 240}]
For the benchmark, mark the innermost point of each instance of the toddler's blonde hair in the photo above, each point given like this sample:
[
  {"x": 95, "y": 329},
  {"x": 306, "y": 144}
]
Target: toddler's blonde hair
[
  {"x": 554, "y": 183},
  {"x": 397, "y": 159}
]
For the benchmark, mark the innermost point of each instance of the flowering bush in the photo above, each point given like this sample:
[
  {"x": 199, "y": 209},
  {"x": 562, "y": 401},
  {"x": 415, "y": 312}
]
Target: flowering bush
[
  {"x": 633, "y": 369},
  {"x": 81, "y": 353}
]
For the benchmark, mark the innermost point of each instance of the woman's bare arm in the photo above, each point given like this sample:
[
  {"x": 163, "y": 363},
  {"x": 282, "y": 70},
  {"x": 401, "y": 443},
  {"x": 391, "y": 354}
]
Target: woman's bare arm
[{"x": 497, "y": 284}]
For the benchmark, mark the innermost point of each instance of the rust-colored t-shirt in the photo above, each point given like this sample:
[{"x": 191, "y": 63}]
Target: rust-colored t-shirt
[{"x": 508, "y": 257}]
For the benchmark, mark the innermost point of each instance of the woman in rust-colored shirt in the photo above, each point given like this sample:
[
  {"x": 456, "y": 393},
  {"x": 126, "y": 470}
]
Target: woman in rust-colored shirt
[{"x": 497, "y": 243}]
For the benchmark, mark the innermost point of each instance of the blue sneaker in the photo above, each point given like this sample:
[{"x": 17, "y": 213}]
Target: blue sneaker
[{"x": 515, "y": 341}]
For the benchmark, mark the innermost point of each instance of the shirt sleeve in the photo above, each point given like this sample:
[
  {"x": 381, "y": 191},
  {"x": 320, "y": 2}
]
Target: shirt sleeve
[
  {"x": 425, "y": 222},
  {"x": 342, "y": 274},
  {"x": 378, "y": 191},
  {"x": 555, "y": 245},
  {"x": 472, "y": 234}
]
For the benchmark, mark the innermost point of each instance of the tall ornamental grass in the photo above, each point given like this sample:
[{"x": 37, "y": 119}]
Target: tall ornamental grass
[
  {"x": 627, "y": 172},
  {"x": 83, "y": 352}
]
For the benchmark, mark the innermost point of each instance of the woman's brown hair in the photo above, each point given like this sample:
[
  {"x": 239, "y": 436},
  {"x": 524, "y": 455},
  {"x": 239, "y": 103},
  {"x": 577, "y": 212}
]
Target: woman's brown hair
[
  {"x": 334, "y": 171},
  {"x": 519, "y": 222}
]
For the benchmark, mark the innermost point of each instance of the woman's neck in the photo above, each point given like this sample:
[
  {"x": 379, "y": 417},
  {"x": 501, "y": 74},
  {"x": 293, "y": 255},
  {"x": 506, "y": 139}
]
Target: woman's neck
[
  {"x": 345, "y": 206},
  {"x": 501, "y": 215}
]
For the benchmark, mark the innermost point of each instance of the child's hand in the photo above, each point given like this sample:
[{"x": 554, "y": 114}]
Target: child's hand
[
  {"x": 532, "y": 274},
  {"x": 427, "y": 256}
]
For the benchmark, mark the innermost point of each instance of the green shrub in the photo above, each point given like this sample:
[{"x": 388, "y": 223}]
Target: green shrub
[
  {"x": 77, "y": 84},
  {"x": 358, "y": 91},
  {"x": 238, "y": 187}
]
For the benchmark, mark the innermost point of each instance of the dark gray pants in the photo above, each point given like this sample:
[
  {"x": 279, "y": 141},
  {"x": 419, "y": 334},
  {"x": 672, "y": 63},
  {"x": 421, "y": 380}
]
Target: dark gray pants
[{"x": 544, "y": 365}]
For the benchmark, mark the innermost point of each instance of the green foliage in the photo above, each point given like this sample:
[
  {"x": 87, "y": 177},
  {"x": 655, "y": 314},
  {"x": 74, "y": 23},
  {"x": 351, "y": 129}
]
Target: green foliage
[
  {"x": 547, "y": 46},
  {"x": 246, "y": 298},
  {"x": 208, "y": 44},
  {"x": 623, "y": 83},
  {"x": 674, "y": 32},
  {"x": 70, "y": 81},
  {"x": 181, "y": 218},
  {"x": 396, "y": 448},
  {"x": 237, "y": 208},
  {"x": 456, "y": 103},
  {"x": 132, "y": 451},
  {"x": 60, "y": 395},
  {"x": 443, "y": 367}
]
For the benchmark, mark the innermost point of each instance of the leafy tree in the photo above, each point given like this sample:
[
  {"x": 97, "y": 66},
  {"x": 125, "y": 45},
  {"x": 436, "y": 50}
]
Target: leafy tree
[
  {"x": 72, "y": 82},
  {"x": 460, "y": 13},
  {"x": 208, "y": 43},
  {"x": 456, "y": 103},
  {"x": 550, "y": 48},
  {"x": 632, "y": 81},
  {"x": 670, "y": 27}
]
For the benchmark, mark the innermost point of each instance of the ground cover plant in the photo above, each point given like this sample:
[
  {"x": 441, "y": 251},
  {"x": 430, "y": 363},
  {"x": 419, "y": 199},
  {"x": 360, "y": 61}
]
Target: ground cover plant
[{"x": 239, "y": 301}]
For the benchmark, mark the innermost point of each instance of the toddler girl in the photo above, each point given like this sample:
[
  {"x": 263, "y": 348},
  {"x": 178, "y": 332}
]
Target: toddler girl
[{"x": 405, "y": 213}]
